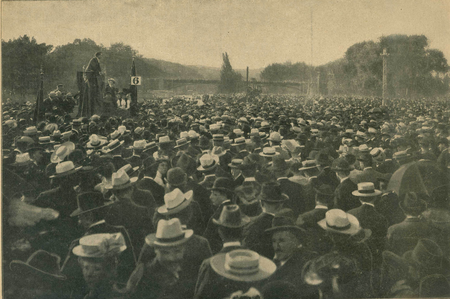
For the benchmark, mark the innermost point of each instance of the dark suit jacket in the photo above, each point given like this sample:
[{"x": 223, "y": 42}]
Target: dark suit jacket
[
  {"x": 343, "y": 197},
  {"x": 208, "y": 182},
  {"x": 93, "y": 68},
  {"x": 318, "y": 240},
  {"x": 371, "y": 175},
  {"x": 157, "y": 190},
  {"x": 211, "y": 233},
  {"x": 134, "y": 160},
  {"x": 404, "y": 236},
  {"x": 296, "y": 202},
  {"x": 211, "y": 285},
  {"x": 144, "y": 198},
  {"x": 327, "y": 176},
  {"x": 291, "y": 272},
  {"x": 388, "y": 166},
  {"x": 255, "y": 237},
  {"x": 201, "y": 195}
]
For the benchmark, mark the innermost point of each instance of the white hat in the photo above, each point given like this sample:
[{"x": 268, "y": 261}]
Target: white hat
[
  {"x": 238, "y": 141},
  {"x": 208, "y": 162},
  {"x": 238, "y": 131},
  {"x": 366, "y": 189},
  {"x": 22, "y": 160},
  {"x": 62, "y": 152},
  {"x": 275, "y": 136},
  {"x": 269, "y": 152},
  {"x": 139, "y": 144},
  {"x": 120, "y": 180},
  {"x": 175, "y": 201},
  {"x": 100, "y": 245},
  {"x": 341, "y": 222},
  {"x": 95, "y": 141},
  {"x": 65, "y": 168},
  {"x": 169, "y": 233},
  {"x": 164, "y": 139}
]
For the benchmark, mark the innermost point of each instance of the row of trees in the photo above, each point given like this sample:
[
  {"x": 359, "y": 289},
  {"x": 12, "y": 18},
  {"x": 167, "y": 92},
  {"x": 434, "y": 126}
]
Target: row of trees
[{"x": 414, "y": 70}]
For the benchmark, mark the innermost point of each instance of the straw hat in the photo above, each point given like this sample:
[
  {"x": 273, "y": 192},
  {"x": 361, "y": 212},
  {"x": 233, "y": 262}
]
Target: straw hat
[
  {"x": 95, "y": 141},
  {"x": 341, "y": 222},
  {"x": 242, "y": 265},
  {"x": 120, "y": 180},
  {"x": 22, "y": 160},
  {"x": 232, "y": 217},
  {"x": 366, "y": 189},
  {"x": 175, "y": 202},
  {"x": 63, "y": 151},
  {"x": 169, "y": 233},
  {"x": 100, "y": 245},
  {"x": 64, "y": 169},
  {"x": 208, "y": 162},
  {"x": 269, "y": 152}
]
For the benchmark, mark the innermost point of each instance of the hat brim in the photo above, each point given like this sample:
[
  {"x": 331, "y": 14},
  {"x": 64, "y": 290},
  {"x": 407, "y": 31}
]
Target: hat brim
[
  {"x": 78, "y": 251},
  {"x": 18, "y": 266},
  {"x": 244, "y": 221},
  {"x": 266, "y": 269},
  {"x": 102, "y": 143},
  {"x": 294, "y": 228},
  {"x": 72, "y": 171},
  {"x": 79, "y": 211},
  {"x": 265, "y": 155},
  {"x": 178, "y": 146},
  {"x": 132, "y": 181},
  {"x": 106, "y": 151},
  {"x": 353, "y": 229},
  {"x": 359, "y": 194},
  {"x": 282, "y": 198},
  {"x": 188, "y": 199},
  {"x": 153, "y": 241}
]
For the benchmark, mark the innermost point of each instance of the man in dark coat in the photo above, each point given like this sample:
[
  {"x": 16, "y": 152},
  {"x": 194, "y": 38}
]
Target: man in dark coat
[
  {"x": 404, "y": 236},
  {"x": 93, "y": 74},
  {"x": 369, "y": 174},
  {"x": 255, "y": 236},
  {"x": 326, "y": 175},
  {"x": 344, "y": 199},
  {"x": 293, "y": 190}
]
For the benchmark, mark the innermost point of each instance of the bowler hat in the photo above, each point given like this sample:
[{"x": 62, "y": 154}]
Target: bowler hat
[
  {"x": 427, "y": 255},
  {"x": 176, "y": 177},
  {"x": 282, "y": 223},
  {"x": 341, "y": 164},
  {"x": 224, "y": 185},
  {"x": 232, "y": 217},
  {"x": 271, "y": 192}
]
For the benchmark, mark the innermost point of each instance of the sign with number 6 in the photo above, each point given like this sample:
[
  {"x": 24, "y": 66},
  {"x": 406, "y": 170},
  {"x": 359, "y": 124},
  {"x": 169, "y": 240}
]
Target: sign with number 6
[{"x": 135, "y": 80}]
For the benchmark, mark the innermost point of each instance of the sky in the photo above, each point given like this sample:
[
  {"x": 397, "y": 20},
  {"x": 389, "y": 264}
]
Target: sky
[{"x": 255, "y": 33}]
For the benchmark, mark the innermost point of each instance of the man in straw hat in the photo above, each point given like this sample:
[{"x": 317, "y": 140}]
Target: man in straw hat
[
  {"x": 230, "y": 224},
  {"x": 170, "y": 274},
  {"x": 255, "y": 238}
]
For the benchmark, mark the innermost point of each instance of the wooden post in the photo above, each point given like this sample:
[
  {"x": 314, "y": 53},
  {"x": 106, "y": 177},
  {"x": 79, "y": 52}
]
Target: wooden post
[
  {"x": 385, "y": 70},
  {"x": 247, "y": 77}
]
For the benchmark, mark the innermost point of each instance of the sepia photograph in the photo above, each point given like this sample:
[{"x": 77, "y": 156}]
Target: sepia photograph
[{"x": 225, "y": 149}]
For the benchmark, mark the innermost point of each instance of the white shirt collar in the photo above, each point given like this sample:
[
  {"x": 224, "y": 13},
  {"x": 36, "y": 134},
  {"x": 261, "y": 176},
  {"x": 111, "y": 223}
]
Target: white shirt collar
[
  {"x": 370, "y": 167},
  {"x": 369, "y": 204},
  {"x": 97, "y": 223},
  {"x": 229, "y": 244},
  {"x": 344, "y": 179},
  {"x": 321, "y": 207},
  {"x": 209, "y": 175},
  {"x": 282, "y": 178}
]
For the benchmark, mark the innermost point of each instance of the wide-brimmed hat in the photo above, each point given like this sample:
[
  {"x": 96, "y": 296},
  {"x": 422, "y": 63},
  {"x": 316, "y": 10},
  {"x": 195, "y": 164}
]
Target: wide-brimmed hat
[
  {"x": 175, "y": 201},
  {"x": 181, "y": 142},
  {"x": 164, "y": 140},
  {"x": 31, "y": 131},
  {"x": 208, "y": 162},
  {"x": 426, "y": 255},
  {"x": 139, "y": 144},
  {"x": 218, "y": 151},
  {"x": 232, "y": 217},
  {"x": 282, "y": 223},
  {"x": 401, "y": 155},
  {"x": 95, "y": 141},
  {"x": 115, "y": 144},
  {"x": 100, "y": 245},
  {"x": 45, "y": 140},
  {"x": 239, "y": 141},
  {"x": 235, "y": 163},
  {"x": 169, "y": 233},
  {"x": 271, "y": 192},
  {"x": 238, "y": 132},
  {"x": 341, "y": 164},
  {"x": 40, "y": 262},
  {"x": 366, "y": 189},
  {"x": 120, "y": 180},
  {"x": 224, "y": 185},
  {"x": 130, "y": 170},
  {"x": 269, "y": 152},
  {"x": 308, "y": 164},
  {"x": 242, "y": 265},
  {"x": 63, "y": 151},
  {"x": 22, "y": 160},
  {"x": 64, "y": 169},
  {"x": 340, "y": 222},
  {"x": 413, "y": 203},
  {"x": 90, "y": 201},
  {"x": 275, "y": 136}
]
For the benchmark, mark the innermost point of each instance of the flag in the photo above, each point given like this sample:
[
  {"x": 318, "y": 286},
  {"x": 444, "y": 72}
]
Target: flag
[
  {"x": 39, "y": 100},
  {"x": 133, "y": 89}
]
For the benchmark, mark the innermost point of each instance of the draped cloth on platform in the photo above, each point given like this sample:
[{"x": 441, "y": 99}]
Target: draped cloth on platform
[{"x": 92, "y": 104}]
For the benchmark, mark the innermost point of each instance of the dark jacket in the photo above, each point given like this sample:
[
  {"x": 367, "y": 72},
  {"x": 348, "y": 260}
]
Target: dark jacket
[
  {"x": 157, "y": 191},
  {"x": 296, "y": 202},
  {"x": 328, "y": 177},
  {"x": 255, "y": 236},
  {"x": 211, "y": 232},
  {"x": 343, "y": 197}
]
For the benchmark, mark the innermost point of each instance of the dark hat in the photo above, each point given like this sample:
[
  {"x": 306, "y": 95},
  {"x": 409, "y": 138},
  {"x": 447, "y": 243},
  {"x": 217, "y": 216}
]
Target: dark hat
[
  {"x": 40, "y": 262},
  {"x": 426, "y": 255},
  {"x": 224, "y": 185},
  {"x": 279, "y": 164},
  {"x": 176, "y": 177},
  {"x": 324, "y": 190},
  {"x": 281, "y": 223},
  {"x": 271, "y": 192},
  {"x": 395, "y": 261},
  {"x": 412, "y": 203},
  {"x": 341, "y": 164},
  {"x": 232, "y": 217},
  {"x": 365, "y": 157},
  {"x": 89, "y": 201},
  {"x": 434, "y": 286},
  {"x": 323, "y": 159},
  {"x": 203, "y": 142}
]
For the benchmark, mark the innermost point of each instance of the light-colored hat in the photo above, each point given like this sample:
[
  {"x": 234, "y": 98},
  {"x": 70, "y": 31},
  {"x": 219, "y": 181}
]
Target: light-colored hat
[
  {"x": 208, "y": 162},
  {"x": 218, "y": 151},
  {"x": 366, "y": 189},
  {"x": 214, "y": 127},
  {"x": 22, "y": 160},
  {"x": 175, "y": 202},
  {"x": 95, "y": 141},
  {"x": 193, "y": 134},
  {"x": 242, "y": 265},
  {"x": 45, "y": 140},
  {"x": 100, "y": 245},
  {"x": 184, "y": 134},
  {"x": 115, "y": 134},
  {"x": 239, "y": 141},
  {"x": 235, "y": 163},
  {"x": 275, "y": 136},
  {"x": 139, "y": 144},
  {"x": 30, "y": 131},
  {"x": 115, "y": 144},
  {"x": 129, "y": 169},
  {"x": 238, "y": 132},
  {"x": 65, "y": 168},
  {"x": 363, "y": 148},
  {"x": 341, "y": 222},
  {"x": 265, "y": 124},
  {"x": 254, "y": 132},
  {"x": 164, "y": 139},
  {"x": 62, "y": 152},
  {"x": 181, "y": 142},
  {"x": 122, "y": 129},
  {"x": 120, "y": 180},
  {"x": 169, "y": 233},
  {"x": 269, "y": 152},
  {"x": 372, "y": 130}
]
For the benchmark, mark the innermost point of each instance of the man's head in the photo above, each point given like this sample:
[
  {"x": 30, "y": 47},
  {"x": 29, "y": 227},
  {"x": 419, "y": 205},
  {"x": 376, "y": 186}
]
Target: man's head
[
  {"x": 324, "y": 195},
  {"x": 286, "y": 237},
  {"x": 222, "y": 190},
  {"x": 170, "y": 256},
  {"x": 97, "y": 271},
  {"x": 98, "y": 55}
]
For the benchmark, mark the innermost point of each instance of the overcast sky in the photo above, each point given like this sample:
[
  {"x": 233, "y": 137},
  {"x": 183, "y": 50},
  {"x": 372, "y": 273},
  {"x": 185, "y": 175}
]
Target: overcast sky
[{"x": 254, "y": 33}]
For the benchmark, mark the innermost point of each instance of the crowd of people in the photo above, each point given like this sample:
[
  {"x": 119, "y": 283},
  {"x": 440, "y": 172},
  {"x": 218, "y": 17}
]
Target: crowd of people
[{"x": 267, "y": 196}]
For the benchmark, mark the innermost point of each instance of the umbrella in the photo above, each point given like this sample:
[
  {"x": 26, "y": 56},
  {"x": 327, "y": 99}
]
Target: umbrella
[{"x": 420, "y": 177}]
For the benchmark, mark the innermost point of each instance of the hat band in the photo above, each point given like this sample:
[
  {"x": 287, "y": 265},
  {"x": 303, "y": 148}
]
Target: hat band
[
  {"x": 339, "y": 227},
  {"x": 171, "y": 208},
  {"x": 211, "y": 165},
  {"x": 269, "y": 154},
  {"x": 171, "y": 240},
  {"x": 242, "y": 270},
  {"x": 367, "y": 191}
]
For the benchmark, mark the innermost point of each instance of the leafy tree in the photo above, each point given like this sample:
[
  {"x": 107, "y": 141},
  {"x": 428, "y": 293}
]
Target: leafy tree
[
  {"x": 21, "y": 62},
  {"x": 230, "y": 80}
]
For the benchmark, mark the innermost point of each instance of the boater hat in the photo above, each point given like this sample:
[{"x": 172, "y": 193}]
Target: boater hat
[
  {"x": 366, "y": 189},
  {"x": 242, "y": 265},
  {"x": 22, "y": 160},
  {"x": 100, "y": 245},
  {"x": 341, "y": 222},
  {"x": 169, "y": 233},
  {"x": 269, "y": 152},
  {"x": 175, "y": 202},
  {"x": 208, "y": 162}
]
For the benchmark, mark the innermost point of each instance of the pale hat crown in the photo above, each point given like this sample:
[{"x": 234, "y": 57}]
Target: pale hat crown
[
  {"x": 121, "y": 129},
  {"x": 100, "y": 245},
  {"x": 164, "y": 139},
  {"x": 269, "y": 151},
  {"x": 239, "y": 140},
  {"x": 337, "y": 218},
  {"x": 94, "y": 139},
  {"x": 242, "y": 262},
  {"x": 207, "y": 160},
  {"x": 22, "y": 158},
  {"x": 275, "y": 136},
  {"x": 139, "y": 144},
  {"x": 174, "y": 199},
  {"x": 64, "y": 167},
  {"x": 169, "y": 229},
  {"x": 120, "y": 178}
]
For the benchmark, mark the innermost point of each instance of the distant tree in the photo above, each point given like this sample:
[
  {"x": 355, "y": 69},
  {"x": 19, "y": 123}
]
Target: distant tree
[
  {"x": 21, "y": 62},
  {"x": 230, "y": 80}
]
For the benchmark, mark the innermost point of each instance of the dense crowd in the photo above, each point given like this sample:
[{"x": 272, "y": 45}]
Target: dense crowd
[{"x": 267, "y": 196}]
